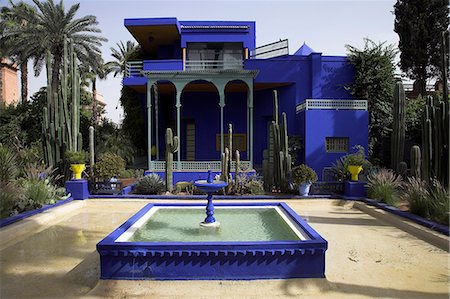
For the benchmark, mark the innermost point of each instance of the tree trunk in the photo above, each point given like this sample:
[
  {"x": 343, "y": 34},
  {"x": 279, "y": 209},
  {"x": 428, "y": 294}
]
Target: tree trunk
[
  {"x": 24, "y": 80},
  {"x": 94, "y": 103},
  {"x": 422, "y": 81}
]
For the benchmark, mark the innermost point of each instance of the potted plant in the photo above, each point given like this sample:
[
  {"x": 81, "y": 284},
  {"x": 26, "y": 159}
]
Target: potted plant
[
  {"x": 355, "y": 162},
  {"x": 77, "y": 162},
  {"x": 303, "y": 176}
]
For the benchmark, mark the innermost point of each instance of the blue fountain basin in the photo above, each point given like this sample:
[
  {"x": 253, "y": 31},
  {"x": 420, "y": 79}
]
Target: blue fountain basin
[
  {"x": 152, "y": 245},
  {"x": 204, "y": 186}
]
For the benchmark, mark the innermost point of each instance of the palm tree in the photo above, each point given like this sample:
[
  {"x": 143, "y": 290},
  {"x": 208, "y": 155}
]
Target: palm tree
[
  {"x": 46, "y": 30},
  {"x": 122, "y": 56},
  {"x": 10, "y": 17}
]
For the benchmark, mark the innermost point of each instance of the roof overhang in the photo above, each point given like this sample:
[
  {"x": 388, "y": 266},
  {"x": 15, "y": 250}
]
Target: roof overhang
[{"x": 153, "y": 32}]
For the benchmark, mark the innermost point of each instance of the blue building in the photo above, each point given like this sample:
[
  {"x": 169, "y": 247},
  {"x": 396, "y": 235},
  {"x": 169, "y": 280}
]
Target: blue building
[{"x": 199, "y": 76}]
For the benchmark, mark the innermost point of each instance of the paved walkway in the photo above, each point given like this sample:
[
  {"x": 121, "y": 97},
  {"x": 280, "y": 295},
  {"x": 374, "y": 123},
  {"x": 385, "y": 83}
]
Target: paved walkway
[{"x": 54, "y": 256}]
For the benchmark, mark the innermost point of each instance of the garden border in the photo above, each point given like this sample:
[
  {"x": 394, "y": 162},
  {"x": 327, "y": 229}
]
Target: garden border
[{"x": 12, "y": 219}]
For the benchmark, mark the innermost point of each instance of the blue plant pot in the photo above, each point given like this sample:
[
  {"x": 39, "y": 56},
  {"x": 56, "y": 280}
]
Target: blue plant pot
[{"x": 303, "y": 188}]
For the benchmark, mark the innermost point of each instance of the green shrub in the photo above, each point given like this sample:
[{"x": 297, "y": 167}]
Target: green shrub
[
  {"x": 76, "y": 157},
  {"x": 127, "y": 174},
  {"x": 418, "y": 197},
  {"x": 187, "y": 187},
  {"x": 8, "y": 164},
  {"x": 302, "y": 174},
  {"x": 109, "y": 165},
  {"x": 10, "y": 195},
  {"x": 441, "y": 199},
  {"x": 384, "y": 186},
  {"x": 150, "y": 184},
  {"x": 340, "y": 167}
]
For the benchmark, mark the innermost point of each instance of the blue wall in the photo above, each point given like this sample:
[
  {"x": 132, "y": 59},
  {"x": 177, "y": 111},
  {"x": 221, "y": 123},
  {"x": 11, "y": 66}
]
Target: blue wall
[{"x": 332, "y": 123}]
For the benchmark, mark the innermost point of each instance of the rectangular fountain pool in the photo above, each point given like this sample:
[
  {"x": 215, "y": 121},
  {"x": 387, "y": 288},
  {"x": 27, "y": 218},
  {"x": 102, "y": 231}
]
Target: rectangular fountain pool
[{"x": 254, "y": 241}]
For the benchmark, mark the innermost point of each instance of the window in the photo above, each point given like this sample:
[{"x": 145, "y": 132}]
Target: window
[
  {"x": 239, "y": 142},
  {"x": 336, "y": 144}
]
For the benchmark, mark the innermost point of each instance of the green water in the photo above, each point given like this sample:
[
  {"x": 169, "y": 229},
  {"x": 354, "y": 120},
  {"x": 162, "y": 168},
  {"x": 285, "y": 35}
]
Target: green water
[{"x": 238, "y": 225}]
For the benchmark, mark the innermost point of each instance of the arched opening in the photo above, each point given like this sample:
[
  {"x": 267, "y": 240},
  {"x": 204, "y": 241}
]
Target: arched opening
[
  {"x": 165, "y": 115},
  {"x": 235, "y": 113},
  {"x": 200, "y": 121}
]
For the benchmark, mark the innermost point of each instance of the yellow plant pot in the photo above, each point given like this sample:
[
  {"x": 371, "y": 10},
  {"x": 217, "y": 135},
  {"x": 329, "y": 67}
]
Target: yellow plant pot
[
  {"x": 354, "y": 171},
  {"x": 77, "y": 169}
]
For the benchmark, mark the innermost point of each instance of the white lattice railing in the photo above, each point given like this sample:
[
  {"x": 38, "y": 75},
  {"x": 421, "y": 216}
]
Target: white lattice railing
[
  {"x": 196, "y": 166},
  {"x": 323, "y": 104}
]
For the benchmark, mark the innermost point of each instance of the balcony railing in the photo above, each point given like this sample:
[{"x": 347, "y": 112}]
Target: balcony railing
[
  {"x": 197, "y": 166},
  {"x": 134, "y": 68},
  {"x": 214, "y": 64}
]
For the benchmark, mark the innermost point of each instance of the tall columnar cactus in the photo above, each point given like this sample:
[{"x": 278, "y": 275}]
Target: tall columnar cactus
[
  {"x": 237, "y": 157},
  {"x": 398, "y": 132},
  {"x": 415, "y": 162},
  {"x": 60, "y": 118},
  {"x": 225, "y": 171},
  {"x": 91, "y": 147},
  {"x": 230, "y": 147},
  {"x": 278, "y": 161},
  {"x": 171, "y": 148},
  {"x": 435, "y": 140}
]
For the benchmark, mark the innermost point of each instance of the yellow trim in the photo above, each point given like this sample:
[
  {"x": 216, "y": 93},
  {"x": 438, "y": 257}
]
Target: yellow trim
[
  {"x": 184, "y": 59},
  {"x": 246, "y": 53}
]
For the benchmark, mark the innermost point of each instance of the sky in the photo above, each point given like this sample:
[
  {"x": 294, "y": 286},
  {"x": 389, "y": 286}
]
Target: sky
[{"x": 326, "y": 26}]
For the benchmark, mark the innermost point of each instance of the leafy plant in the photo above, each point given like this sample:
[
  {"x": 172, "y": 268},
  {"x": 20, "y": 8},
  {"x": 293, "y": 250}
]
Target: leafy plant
[
  {"x": 374, "y": 81},
  {"x": 302, "y": 174},
  {"x": 76, "y": 157},
  {"x": 8, "y": 164},
  {"x": 358, "y": 158},
  {"x": 127, "y": 174},
  {"x": 150, "y": 184},
  {"x": 384, "y": 186},
  {"x": 109, "y": 165},
  {"x": 10, "y": 195}
]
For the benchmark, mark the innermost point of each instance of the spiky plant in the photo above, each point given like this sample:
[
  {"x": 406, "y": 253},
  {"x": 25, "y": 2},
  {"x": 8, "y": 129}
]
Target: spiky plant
[
  {"x": 8, "y": 165},
  {"x": 441, "y": 199},
  {"x": 150, "y": 184},
  {"x": 418, "y": 197},
  {"x": 384, "y": 185}
]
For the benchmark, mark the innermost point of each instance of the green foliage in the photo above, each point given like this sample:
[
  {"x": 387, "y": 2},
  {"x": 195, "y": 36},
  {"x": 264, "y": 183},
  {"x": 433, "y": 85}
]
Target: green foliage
[
  {"x": 125, "y": 53},
  {"x": 9, "y": 169},
  {"x": 186, "y": 187},
  {"x": 384, "y": 185},
  {"x": 114, "y": 140},
  {"x": 414, "y": 110},
  {"x": 419, "y": 25},
  {"x": 374, "y": 81},
  {"x": 10, "y": 195},
  {"x": 302, "y": 174},
  {"x": 246, "y": 184},
  {"x": 127, "y": 174},
  {"x": 109, "y": 165},
  {"x": 150, "y": 184},
  {"x": 76, "y": 157},
  {"x": 358, "y": 158},
  {"x": 340, "y": 167},
  {"x": 133, "y": 124}
]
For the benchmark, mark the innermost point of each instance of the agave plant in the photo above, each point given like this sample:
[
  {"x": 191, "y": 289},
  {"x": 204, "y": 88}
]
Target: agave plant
[
  {"x": 8, "y": 165},
  {"x": 384, "y": 185},
  {"x": 150, "y": 184}
]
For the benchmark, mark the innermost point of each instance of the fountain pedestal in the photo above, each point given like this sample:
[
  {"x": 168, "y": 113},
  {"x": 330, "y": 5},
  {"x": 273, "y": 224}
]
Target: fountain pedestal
[{"x": 210, "y": 186}]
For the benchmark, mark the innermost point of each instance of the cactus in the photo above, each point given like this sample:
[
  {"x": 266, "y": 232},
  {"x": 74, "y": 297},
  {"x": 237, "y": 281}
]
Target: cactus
[
  {"x": 171, "y": 148},
  {"x": 435, "y": 141},
  {"x": 277, "y": 161},
  {"x": 237, "y": 157},
  {"x": 60, "y": 125},
  {"x": 398, "y": 132},
  {"x": 225, "y": 173},
  {"x": 91, "y": 148},
  {"x": 402, "y": 169},
  {"x": 415, "y": 161}
]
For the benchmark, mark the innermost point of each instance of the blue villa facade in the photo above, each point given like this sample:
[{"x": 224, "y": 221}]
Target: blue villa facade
[{"x": 197, "y": 77}]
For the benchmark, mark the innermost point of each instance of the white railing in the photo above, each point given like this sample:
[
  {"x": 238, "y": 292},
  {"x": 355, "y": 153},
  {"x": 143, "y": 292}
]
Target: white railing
[
  {"x": 331, "y": 105},
  {"x": 214, "y": 64},
  {"x": 279, "y": 48},
  {"x": 197, "y": 166},
  {"x": 134, "y": 68}
]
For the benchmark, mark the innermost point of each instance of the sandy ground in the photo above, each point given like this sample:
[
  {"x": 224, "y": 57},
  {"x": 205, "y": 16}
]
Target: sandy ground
[{"x": 367, "y": 258}]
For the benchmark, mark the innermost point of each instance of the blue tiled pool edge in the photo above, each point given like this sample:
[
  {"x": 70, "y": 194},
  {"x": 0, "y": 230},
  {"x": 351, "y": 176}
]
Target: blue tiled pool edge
[{"x": 213, "y": 260}]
